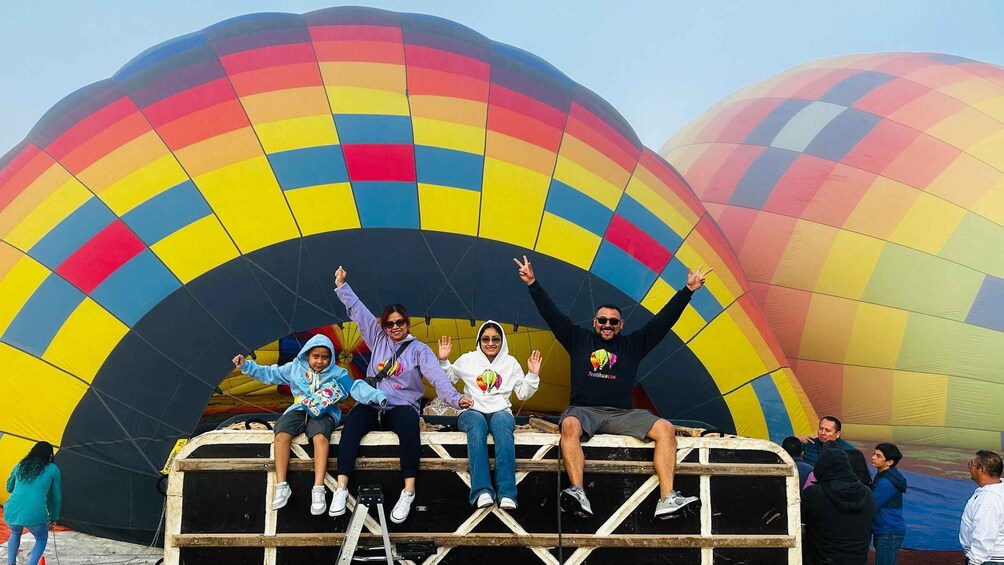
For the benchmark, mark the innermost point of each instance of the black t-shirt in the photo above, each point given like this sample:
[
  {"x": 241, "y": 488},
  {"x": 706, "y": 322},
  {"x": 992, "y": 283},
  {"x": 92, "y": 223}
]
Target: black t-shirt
[{"x": 603, "y": 373}]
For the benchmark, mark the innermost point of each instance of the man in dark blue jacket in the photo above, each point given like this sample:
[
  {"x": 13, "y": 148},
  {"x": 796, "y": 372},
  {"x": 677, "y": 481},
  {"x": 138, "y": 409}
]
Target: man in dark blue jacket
[{"x": 829, "y": 430}]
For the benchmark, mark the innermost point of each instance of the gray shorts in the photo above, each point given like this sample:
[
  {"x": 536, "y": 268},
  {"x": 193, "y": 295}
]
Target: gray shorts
[
  {"x": 607, "y": 420},
  {"x": 295, "y": 422}
]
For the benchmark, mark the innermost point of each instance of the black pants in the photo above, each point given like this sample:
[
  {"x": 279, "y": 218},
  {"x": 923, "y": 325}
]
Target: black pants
[{"x": 362, "y": 419}]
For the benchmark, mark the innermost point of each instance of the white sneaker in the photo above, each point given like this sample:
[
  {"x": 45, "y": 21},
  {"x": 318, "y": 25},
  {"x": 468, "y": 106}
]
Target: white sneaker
[
  {"x": 282, "y": 494},
  {"x": 318, "y": 500},
  {"x": 338, "y": 501},
  {"x": 402, "y": 508},
  {"x": 507, "y": 503},
  {"x": 484, "y": 500}
]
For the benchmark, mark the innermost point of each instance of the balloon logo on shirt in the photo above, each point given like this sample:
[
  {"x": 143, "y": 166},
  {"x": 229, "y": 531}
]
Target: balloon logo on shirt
[
  {"x": 602, "y": 358},
  {"x": 395, "y": 369},
  {"x": 488, "y": 380}
]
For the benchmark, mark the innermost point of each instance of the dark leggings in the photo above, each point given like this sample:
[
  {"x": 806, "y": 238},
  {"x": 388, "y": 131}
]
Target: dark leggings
[{"x": 402, "y": 420}]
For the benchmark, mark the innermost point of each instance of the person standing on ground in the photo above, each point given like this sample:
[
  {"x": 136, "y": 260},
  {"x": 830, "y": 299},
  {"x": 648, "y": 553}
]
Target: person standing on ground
[
  {"x": 35, "y": 500},
  {"x": 838, "y": 512},
  {"x": 981, "y": 533},
  {"x": 889, "y": 528}
]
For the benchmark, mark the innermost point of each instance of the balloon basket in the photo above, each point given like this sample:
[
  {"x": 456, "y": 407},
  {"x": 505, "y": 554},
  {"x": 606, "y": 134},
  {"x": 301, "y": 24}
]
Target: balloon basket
[{"x": 220, "y": 490}]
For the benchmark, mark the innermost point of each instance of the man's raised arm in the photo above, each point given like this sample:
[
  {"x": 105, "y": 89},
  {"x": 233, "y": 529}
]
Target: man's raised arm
[
  {"x": 561, "y": 325},
  {"x": 655, "y": 330}
]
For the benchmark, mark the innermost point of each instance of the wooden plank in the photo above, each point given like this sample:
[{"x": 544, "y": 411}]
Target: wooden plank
[
  {"x": 488, "y": 540},
  {"x": 437, "y": 464},
  {"x": 544, "y": 425}
]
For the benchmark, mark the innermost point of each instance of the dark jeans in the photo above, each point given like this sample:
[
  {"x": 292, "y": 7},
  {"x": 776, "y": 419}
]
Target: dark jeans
[
  {"x": 402, "y": 420},
  {"x": 886, "y": 546}
]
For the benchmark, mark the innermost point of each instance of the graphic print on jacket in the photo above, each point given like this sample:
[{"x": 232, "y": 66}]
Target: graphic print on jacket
[
  {"x": 488, "y": 380},
  {"x": 602, "y": 359},
  {"x": 324, "y": 396},
  {"x": 394, "y": 372}
]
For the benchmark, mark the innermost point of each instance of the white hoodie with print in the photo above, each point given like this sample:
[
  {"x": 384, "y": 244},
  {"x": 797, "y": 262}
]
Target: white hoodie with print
[{"x": 491, "y": 383}]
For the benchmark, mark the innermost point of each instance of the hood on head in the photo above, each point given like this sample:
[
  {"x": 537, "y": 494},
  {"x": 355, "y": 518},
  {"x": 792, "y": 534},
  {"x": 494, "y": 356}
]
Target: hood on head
[
  {"x": 503, "y": 351},
  {"x": 317, "y": 340},
  {"x": 834, "y": 475}
]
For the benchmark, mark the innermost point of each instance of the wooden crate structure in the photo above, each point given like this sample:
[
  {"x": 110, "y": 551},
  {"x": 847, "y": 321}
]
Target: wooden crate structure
[{"x": 220, "y": 489}]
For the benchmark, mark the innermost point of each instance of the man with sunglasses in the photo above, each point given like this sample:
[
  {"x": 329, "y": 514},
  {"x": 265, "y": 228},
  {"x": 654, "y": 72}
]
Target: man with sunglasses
[
  {"x": 604, "y": 365},
  {"x": 981, "y": 533}
]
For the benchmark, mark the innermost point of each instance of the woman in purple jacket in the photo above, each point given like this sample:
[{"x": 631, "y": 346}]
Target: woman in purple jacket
[{"x": 406, "y": 360}]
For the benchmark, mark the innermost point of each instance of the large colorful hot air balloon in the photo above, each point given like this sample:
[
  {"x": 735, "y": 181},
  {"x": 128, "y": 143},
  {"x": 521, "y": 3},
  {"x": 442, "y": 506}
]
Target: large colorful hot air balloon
[
  {"x": 864, "y": 196},
  {"x": 194, "y": 205}
]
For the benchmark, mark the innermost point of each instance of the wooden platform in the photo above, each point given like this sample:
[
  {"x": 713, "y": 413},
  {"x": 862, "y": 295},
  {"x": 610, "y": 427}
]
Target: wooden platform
[{"x": 221, "y": 484}]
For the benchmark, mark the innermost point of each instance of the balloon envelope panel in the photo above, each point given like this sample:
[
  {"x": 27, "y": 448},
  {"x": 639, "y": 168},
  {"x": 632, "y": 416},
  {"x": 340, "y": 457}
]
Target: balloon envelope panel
[
  {"x": 194, "y": 205},
  {"x": 863, "y": 197}
]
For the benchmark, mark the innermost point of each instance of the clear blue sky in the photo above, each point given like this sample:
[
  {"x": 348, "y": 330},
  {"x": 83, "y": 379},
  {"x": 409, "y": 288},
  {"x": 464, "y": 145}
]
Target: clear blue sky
[{"x": 660, "y": 63}]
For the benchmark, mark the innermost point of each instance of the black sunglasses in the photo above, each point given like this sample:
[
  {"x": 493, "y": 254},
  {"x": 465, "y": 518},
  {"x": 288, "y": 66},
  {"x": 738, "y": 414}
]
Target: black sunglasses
[
  {"x": 611, "y": 321},
  {"x": 399, "y": 323},
  {"x": 491, "y": 339}
]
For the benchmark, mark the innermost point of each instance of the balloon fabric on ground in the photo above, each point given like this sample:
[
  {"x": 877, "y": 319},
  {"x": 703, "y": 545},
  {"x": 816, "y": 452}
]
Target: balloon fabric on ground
[
  {"x": 194, "y": 205},
  {"x": 864, "y": 196}
]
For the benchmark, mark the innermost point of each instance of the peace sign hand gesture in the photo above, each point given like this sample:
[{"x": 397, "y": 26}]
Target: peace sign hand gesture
[
  {"x": 695, "y": 279},
  {"x": 525, "y": 270}
]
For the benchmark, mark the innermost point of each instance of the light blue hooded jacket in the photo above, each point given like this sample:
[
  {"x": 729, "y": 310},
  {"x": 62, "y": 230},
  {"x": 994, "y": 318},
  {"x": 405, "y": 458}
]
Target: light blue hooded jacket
[{"x": 303, "y": 382}]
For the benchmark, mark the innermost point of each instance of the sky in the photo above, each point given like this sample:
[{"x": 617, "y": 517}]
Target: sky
[{"x": 660, "y": 63}]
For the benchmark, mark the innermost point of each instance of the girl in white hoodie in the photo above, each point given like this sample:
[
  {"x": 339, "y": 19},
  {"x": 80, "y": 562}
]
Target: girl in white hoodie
[{"x": 490, "y": 377}]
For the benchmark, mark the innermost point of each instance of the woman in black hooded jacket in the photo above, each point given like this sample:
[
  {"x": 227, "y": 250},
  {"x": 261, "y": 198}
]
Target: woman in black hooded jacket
[{"x": 837, "y": 512}]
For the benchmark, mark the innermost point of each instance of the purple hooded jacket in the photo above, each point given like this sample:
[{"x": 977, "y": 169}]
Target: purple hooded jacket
[{"x": 403, "y": 386}]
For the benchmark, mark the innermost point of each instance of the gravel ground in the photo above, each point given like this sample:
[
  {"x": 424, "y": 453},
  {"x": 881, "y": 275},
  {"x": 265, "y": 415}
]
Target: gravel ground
[{"x": 75, "y": 548}]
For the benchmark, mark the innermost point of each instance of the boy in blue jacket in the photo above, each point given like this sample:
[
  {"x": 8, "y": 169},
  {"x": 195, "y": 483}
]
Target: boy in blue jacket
[
  {"x": 318, "y": 386},
  {"x": 889, "y": 486}
]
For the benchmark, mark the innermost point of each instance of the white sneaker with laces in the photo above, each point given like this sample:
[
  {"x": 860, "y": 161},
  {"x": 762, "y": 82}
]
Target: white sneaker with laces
[
  {"x": 318, "y": 500},
  {"x": 507, "y": 503},
  {"x": 484, "y": 500},
  {"x": 402, "y": 508},
  {"x": 282, "y": 494},
  {"x": 338, "y": 501}
]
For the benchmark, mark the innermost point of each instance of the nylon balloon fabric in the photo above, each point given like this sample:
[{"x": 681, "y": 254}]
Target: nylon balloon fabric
[
  {"x": 864, "y": 197},
  {"x": 194, "y": 205}
]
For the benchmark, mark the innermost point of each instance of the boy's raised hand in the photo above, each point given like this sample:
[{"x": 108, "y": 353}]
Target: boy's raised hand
[
  {"x": 340, "y": 275},
  {"x": 238, "y": 360},
  {"x": 445, "y": 347}
]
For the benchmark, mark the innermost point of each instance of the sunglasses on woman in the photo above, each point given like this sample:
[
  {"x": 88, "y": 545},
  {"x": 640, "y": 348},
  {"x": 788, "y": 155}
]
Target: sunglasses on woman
[
  {"x": 611, "y": 321},
  {"x": 492, "y": 339},
  {"x": 398, "y": 323}
]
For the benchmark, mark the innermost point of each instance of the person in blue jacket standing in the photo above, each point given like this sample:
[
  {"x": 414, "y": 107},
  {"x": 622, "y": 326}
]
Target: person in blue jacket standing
[
  {"x": 889, "y": 528},
  {"x": 35, "y": 500},
  {"x": 318, "y": 386}
]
